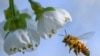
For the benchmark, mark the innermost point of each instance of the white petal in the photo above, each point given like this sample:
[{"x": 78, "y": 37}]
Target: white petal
[
  {"x": 2, "y": 32},
  {"x": 24, "y": 35},
  {"x": 52, "y": 20},
  {"x": 41, "y": 28},
  {"x": 31, "y": 23},
  {"x": 19, "y": 40},
  {"x": 32, "y": 31},
  {"x": 13, "y": 40},
  {"x": 65, "y": 13},
  {"x": 33, "y": 35}
]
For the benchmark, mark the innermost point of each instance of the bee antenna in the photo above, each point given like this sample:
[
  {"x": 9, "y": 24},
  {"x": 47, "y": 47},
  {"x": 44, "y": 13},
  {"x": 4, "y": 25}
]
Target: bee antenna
[
  {"x": 61, "y": 35},
  {"x": 65, "y": 32}
]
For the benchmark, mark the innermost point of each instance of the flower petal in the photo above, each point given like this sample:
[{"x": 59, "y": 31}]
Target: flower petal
[
  {"x": 41, "y": 28},
  {"x": 51, "y": 21},
  {"x": 32, "y": 31},
  {"x": 13, "y": 40},
  {"x": 2, "y": 32},
  {"x": 66, "y": 14},
  {"x": 19, "y": 41},
  {"x": 33, "y": 35}
]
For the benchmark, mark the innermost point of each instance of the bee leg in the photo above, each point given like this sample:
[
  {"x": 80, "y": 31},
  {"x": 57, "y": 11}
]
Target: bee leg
[
  {"x": 65, "y": 44},
  {"x": 76, "y": 52},
  {"x": 70, "y": 50},
  {"x": 79, "y": 50}
]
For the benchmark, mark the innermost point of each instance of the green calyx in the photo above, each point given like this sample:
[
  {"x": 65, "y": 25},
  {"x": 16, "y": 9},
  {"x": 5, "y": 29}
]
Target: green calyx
[
  {"x": 49, "y": 9},
  {"x": 38, "y": 9},
  {"x": 40, "y": 14},
  {"x": 15, "y": 23},
  {"x": 14, "y": 19}
]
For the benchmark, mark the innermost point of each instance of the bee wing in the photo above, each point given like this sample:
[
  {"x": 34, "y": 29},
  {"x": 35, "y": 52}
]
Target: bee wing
[{"x": 84, "y": 37}]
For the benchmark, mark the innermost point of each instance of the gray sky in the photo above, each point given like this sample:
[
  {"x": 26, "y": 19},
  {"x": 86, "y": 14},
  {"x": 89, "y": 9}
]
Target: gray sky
[{"x": 85, "y": 15}]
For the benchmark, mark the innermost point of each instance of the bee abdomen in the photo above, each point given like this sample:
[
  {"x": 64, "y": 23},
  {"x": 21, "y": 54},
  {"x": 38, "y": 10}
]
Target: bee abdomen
[{"x": 86, "y": 52}]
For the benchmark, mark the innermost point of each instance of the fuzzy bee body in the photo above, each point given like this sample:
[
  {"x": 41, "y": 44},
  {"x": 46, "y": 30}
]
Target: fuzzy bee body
[{"x": 74, "y": 43}]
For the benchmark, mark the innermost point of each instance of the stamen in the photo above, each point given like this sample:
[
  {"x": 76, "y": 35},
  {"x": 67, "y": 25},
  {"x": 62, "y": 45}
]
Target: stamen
[
  {"x": 52, "y": 31},
  {"x": 32, "y": 48},
  {"x": 23, "y": 52},
  {"x": 66, "y": 19},
  {"x": 36, "y": 45},
  {"x": 19, "y": 50},
  {"x": 29, "y": 45},
  {"x": 14, "y": 49},
  {"x": 49, "y": 35},
  {"x": 11, "y": 49},
  {"x": 24, "y": 48}
]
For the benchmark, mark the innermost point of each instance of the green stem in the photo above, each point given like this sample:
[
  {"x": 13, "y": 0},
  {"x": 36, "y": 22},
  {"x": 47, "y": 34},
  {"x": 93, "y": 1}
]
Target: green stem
[
  {"x": 11, "y": 3},
  {"x": 36, "y": 6},
  {"x": 30, "y": 1}
]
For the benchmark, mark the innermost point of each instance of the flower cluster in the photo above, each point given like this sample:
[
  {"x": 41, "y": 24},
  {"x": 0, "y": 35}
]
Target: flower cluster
[{"x": 22, "y": 35}]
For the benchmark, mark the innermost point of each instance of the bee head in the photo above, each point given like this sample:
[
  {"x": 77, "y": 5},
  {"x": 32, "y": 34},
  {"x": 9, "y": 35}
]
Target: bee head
[{"x": 66, "y": 38}]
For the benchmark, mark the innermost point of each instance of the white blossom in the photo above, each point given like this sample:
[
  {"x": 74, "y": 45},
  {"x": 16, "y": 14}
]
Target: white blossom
[
  {"x": 51, "y": 21},
  {"x": 22, "y": 40}
]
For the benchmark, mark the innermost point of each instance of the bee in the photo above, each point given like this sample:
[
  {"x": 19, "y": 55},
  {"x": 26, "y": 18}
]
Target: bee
[{"x": 78, "y": 43}]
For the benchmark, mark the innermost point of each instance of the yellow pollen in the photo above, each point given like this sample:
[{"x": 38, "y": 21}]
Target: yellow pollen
[
  {"x": 66, "y": 19},
  {"x": 14, "y": 49},
  {"x": 52, "y": 31},
  {"x": 29, "y": 45}
]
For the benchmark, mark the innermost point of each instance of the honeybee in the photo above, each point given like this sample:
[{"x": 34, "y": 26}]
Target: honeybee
[{"x": 78, "y": 43}]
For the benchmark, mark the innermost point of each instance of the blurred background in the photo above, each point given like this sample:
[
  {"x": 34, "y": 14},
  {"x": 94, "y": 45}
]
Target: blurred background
[{"x": 85, "y": 15}]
